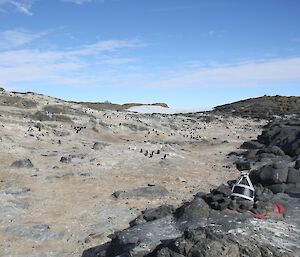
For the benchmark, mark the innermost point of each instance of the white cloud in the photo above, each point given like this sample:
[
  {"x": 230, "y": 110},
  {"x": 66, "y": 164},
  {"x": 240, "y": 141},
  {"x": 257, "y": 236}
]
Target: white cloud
[
  {"x": 104, "y": 63},
  {"x": 106, "y": 45},
  {"x": 247, "y": 74},
  {"x": 81, "y": 66},
  {"x": 17, "y": 37},
  {"x": 23, "y": 6},
  {"x": 117, "y": 61},
  {"x": 77, "y": 1}
]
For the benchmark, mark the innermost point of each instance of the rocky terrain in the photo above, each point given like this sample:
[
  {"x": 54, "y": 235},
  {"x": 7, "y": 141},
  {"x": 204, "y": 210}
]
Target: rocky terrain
[
  {"x": 265, "y": 107},
  {"x": 221, "y": 224},
  {"x": 72, "y": 176}
]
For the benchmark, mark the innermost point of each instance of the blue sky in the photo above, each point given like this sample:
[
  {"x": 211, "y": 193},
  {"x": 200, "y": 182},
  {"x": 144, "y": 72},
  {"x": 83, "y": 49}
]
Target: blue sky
[{"x": 187, "y": 53}]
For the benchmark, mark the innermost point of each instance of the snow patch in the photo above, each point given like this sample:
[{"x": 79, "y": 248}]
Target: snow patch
[{"x": 164, "y": 110}]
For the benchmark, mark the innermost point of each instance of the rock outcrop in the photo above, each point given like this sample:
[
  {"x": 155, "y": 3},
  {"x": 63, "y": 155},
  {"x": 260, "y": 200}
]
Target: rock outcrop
[
  {"x": 194, "y": 229},
  {"x": 220, "y": 224},
  {"x": 276, "y": 156},
  {"x": 265, "y": 107}
]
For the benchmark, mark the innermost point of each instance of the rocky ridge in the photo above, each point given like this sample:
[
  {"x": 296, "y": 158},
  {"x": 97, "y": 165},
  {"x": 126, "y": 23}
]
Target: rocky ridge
[{"x": 265, "y": 107}]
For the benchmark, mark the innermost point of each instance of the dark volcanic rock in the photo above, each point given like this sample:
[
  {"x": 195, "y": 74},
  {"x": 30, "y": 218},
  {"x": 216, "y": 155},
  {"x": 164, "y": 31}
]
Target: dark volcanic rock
[
  {"x": 284, "y": 188},
  {"x": 251, "y": 154},
  {"x": 201, "y": 242},
  {"x": 194, "y": 213},
  {"x": 265, "y": 107},
  {"x": 224, "y": 233},
  {"x": 240, "y": 205},
  {"x": 297, "y": 164},
  {"x": 272, "y": 174},
  {"x": 263, "y": 207},
  {"x": 243, "y": 165},
  {"x": 293, "y": 176},
  {"x": 153, "y": 214},
  {"x": 143, "y": 239},
  {"x": 253, "y": 144},
  {"x": 275, "y": 173},
  {"x": 219, "y": 199},
  {"x": 22, "y": 164},
  {"x": 263, "y": 194},
  {"x": 276, "y": 150},
  {"x": 144, "y": 192},
  {"x": 221, "y": 204},
  {"x": 285, "y": 135},
  {"x": 222, "y": 189}
]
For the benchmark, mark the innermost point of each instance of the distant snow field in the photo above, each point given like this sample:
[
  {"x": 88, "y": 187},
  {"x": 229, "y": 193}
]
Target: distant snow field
[{"x": 159, "y": 109}]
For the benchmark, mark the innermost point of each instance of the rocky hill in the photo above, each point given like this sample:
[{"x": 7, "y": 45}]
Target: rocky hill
[
  {"x": 72, "y": 176},
  {"x": 264, "y": 107}
]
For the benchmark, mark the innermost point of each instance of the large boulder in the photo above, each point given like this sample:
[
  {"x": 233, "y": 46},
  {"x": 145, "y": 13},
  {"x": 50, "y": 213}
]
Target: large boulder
[
  {"x": 153, "y": 214},
  {"x": 297, "y": 164},
  {"x": 252, "y": 144},
  {"x": 194, "y": 212},
  {"x": 285, "y": 135},
  {"x": 293, "y": 176},
  {"x": 275, "y": 173}
]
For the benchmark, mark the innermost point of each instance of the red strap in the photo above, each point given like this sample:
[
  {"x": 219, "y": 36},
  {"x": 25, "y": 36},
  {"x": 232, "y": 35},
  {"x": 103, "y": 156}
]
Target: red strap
[
  {"x": 278, "y": 208},
  {"x": 260, "y": 216}
]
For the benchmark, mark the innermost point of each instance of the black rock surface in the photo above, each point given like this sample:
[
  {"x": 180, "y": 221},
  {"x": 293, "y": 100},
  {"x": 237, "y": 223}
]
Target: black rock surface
[
  {"x": 276, "y": 156},
  {"x": 196, "y": 230}
]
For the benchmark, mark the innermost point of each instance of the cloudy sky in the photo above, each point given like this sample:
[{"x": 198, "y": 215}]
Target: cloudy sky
[{"x": 187, "y": 53}]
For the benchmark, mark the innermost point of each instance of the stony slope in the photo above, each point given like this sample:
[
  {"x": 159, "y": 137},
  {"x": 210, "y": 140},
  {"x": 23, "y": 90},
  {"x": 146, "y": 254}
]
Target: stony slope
[
  {"x": 264, "y": 107},
  {"x": 219, "y": 224},
  {"x": 60, "y": 202}
]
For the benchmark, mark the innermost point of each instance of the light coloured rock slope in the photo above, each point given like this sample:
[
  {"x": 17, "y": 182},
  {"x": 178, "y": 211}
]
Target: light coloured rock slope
[{"x": 61, "y": 206}]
